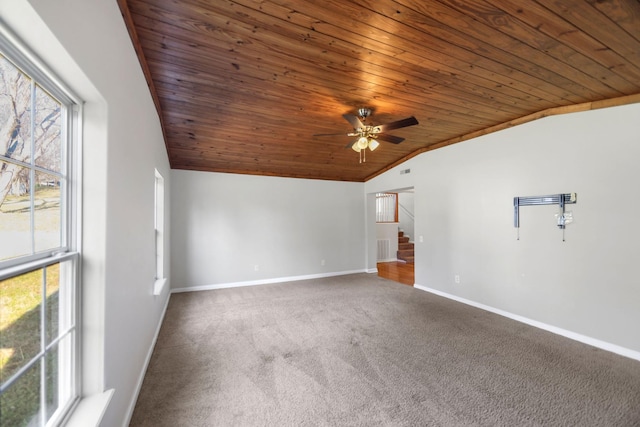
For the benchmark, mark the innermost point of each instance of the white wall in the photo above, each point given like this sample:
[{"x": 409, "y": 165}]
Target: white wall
[
  {"x": 406, "y": 208},
  {"x": 224, "y": 225},
  {"x": 464, "y": 209},
  {"x": 87, "y": 44}
]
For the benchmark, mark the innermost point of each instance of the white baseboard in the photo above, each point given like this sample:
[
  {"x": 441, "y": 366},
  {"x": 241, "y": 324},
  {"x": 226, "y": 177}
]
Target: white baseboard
[
  {"x": 132, "y": 405},
  {"x": 265, "y": 281},
  {"x": 614, "y": 348}
]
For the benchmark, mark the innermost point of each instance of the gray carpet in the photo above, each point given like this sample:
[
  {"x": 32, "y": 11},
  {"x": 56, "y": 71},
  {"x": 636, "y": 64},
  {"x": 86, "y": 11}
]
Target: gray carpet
[{"x": 359, "y": 350}]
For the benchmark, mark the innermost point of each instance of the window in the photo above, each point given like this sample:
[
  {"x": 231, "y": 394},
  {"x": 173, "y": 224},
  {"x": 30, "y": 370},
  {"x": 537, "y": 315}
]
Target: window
[
  {"x": 158, "y": 222},
  {"x": 39, "y": 258}
]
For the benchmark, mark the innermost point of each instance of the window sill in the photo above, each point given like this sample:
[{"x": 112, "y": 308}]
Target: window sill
[
  {"x": 90, "y": 409},
  {"x": 159, "y": 285}
]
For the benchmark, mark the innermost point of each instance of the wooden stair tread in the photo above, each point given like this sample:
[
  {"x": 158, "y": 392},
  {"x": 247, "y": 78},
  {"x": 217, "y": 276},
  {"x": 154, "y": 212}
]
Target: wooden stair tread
[{"x": 405, "y": 249}]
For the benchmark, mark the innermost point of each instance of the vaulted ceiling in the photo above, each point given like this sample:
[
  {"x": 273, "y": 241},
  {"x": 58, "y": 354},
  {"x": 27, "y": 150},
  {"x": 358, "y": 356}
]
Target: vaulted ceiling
[{"x": 242, "y": 86}]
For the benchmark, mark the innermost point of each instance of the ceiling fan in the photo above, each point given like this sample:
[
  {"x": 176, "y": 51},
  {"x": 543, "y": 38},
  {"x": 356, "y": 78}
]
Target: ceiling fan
[{"x": 368, "y": 135}]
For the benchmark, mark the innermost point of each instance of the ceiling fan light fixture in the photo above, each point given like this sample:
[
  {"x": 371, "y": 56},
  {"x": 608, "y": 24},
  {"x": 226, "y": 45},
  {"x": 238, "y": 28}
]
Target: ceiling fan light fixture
[{"x": 367, "y": 135}]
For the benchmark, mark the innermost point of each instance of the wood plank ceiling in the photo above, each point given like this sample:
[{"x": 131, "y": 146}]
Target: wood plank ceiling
[{"x": 242, "y": 86}]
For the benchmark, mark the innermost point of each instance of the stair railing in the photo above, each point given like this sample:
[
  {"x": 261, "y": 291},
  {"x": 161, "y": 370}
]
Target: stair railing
[
  {"x": 409, "y": 215},
  {"x": 405, "y": 210}
]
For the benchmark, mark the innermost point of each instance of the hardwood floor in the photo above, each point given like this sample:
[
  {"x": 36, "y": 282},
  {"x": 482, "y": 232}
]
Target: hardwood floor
[{"x": 397, "y": 271}]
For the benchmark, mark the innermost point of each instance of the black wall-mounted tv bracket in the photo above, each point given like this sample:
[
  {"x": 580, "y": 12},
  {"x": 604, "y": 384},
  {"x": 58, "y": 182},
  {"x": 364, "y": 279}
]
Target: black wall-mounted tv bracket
[{"x": 561, "y": 200}]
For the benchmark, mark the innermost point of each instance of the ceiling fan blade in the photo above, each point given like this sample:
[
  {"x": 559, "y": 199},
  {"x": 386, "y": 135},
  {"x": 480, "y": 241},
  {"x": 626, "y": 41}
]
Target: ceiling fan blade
[
  {"x": 389, "y": 138},
  {"x": 331, "y": 134},
  {"x": 409, "y": 121},
  {"x": 354, "y": 120}
]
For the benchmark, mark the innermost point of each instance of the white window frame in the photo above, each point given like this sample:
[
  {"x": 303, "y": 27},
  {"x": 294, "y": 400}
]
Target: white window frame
[
  {"x": 70, "y": 245},
  {"x": 158, "y": 224}
]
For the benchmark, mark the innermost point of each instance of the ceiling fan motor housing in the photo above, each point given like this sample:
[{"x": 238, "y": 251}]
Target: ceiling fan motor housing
[{"x": 364, "y": 112}]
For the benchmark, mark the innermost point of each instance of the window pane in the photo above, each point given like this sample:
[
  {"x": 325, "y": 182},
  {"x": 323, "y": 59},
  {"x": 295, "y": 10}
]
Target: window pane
[
  {"x": 21, "y": 402},
  {"x": 47, "y": 212},
  {"x": 47, "y": 131},
  {"x": 15, "y": 211},
  {"x": 15, "y": 114},
  {"x": 53, "y": 303},
  {"x": 20, "y": 300},
  {"x": 60, "y": 388},
  {"x": 52, "y": 379}
]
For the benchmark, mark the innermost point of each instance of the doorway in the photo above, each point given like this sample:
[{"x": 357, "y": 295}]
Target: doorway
[{"x": 395, "y": 225}]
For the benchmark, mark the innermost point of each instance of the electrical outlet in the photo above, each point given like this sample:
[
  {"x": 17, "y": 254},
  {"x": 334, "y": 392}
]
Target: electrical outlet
[
  {"x": 322, "y": 262},
  {"x": 456, "y": 278},
  {"x": 256, "y": 267},
  {"x": 421, "y": 239}
]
